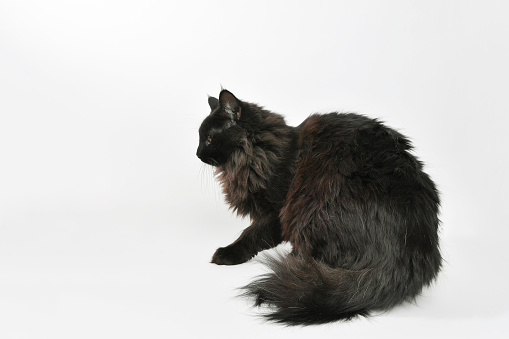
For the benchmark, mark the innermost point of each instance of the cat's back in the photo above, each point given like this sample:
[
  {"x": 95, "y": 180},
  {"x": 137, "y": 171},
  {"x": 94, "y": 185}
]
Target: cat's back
[
  {"x": 356, "y": 153},
  {"x": 350, "y": 135},
  {"x": 344, "y": 127}
]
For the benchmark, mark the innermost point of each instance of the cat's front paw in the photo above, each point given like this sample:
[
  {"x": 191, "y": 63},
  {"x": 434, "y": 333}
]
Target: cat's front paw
[{"x": 229, "y": 256}]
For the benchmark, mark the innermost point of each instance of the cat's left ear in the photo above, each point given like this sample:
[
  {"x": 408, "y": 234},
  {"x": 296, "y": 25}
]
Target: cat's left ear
[
  {"x": 230, "y": 104},
  {"x": 213, "y": 103}
]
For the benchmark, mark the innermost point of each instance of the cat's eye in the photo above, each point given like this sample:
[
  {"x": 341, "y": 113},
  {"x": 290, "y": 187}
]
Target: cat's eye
[{"x": 209, "y": 140}]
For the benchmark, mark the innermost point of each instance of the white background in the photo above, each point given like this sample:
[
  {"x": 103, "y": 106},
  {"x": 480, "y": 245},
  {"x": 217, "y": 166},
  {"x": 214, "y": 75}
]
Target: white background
[{"x": 107, "y": 218}]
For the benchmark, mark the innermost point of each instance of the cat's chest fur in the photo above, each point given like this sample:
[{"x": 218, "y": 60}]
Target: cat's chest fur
[{"x": 256, "y": 179}]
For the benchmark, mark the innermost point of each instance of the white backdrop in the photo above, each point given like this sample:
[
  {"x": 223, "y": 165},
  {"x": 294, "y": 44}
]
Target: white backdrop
[{"x": 107, "y": 218}]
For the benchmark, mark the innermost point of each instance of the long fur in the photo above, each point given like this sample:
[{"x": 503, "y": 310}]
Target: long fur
[{"x": 344, "y": 190}]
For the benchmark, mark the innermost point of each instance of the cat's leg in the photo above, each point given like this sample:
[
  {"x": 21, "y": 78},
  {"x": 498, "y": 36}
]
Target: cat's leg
[{"x": 262, "y": 234}]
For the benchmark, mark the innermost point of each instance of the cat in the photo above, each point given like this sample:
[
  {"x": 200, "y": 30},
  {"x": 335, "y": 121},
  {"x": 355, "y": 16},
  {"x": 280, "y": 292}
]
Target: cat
[{"x": 344, "y": 190}]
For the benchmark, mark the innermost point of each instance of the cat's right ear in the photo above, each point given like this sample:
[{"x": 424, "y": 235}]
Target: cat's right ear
[
  {"x": 213, "y": 103},
  {"x": 230, "y": 105}
]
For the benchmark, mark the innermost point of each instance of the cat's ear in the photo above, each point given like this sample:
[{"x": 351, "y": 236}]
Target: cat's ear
[
  {"x": 213, "y": 103},
  {"x": 230, "y": 104}
]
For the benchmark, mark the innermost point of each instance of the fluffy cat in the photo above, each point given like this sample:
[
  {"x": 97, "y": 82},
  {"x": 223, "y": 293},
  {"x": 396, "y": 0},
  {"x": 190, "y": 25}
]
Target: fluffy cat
[{"x": 344, "y": 190}]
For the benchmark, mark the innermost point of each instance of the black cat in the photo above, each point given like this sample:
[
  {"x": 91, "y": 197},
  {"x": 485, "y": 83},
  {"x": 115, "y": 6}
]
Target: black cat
[{"x": 344, "y": 190}]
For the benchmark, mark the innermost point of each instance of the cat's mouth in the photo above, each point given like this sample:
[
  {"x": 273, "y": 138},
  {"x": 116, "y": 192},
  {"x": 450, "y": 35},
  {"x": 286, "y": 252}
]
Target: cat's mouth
[
  {"x": 204, "y": 158},
  {"x": 209, "y": 161}
]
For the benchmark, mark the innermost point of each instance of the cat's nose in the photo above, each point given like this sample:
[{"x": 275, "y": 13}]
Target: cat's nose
[{"x": 198, "y": 151}]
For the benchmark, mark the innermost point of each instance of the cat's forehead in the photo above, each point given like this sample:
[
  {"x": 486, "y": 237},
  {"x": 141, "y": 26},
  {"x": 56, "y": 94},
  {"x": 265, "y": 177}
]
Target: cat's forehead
[
  {"x": 215, "y": 123},
  {"x": 211, "y": 121}
]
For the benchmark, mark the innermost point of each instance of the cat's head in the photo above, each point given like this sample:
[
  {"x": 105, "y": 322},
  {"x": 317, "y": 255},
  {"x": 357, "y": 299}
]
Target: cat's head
[{"x": 220, "y": 133}]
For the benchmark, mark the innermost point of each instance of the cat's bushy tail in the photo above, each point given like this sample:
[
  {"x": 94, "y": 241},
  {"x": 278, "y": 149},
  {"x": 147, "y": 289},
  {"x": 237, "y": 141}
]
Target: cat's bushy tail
[{"x": 303, "y": 291}]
